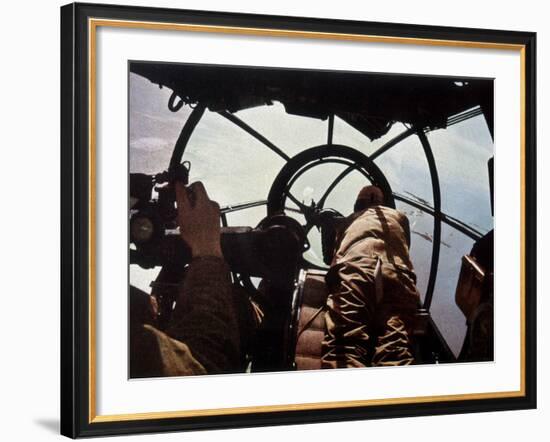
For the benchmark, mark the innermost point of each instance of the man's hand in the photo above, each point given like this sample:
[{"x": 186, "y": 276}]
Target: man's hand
[{"x": 199, "y": 220}]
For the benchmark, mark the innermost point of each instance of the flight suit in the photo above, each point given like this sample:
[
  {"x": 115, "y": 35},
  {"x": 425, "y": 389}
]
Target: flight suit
[
  {"x": 203, "y": 334},
  {"x": 373, "y": 300}
]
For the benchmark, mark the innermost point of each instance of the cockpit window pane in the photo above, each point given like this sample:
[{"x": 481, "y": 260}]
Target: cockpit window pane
[
  {"x": 343, "y": 196},
  {"x": 313, "y": 183},
  {"x": 247, "y": 217},
  {"x": 421, "y": 225},
  {"x": 153, "y": 127},
  {"x": 462, "y": 152},
  {"x": 406, "y": 169},
  {"x": 445, "y": 313},
  {"x": 290, "y": 133},
  {"x": 141, "y": 278},
  {"x": 347, "y": 135},
  {"x": 234, "y": 166}
]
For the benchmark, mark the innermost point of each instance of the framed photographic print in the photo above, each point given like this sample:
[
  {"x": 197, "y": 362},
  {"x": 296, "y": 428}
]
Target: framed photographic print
[{"x": 278, "y": 220}]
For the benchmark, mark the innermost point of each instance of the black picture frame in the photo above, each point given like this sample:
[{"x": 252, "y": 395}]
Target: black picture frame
[{"x": 77, "y": 416}]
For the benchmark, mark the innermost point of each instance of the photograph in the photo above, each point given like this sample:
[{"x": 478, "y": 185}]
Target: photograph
[
  {"x": 270, "y": 221},
  {"x": 274, "y": 220},
  {"x": 284, "y": 219}
]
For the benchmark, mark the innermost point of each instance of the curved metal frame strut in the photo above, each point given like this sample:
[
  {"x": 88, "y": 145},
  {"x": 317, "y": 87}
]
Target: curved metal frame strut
[
  {"x": 437, "y": 217},
  {"x": 435, "y": 211}
]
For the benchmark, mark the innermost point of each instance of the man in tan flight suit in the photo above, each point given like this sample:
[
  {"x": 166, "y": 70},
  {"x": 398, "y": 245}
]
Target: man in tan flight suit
[{"x": 373, "y": 298}]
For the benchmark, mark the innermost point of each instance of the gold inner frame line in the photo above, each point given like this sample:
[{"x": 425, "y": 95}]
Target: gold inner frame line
[{"x": 93, "y": 23}]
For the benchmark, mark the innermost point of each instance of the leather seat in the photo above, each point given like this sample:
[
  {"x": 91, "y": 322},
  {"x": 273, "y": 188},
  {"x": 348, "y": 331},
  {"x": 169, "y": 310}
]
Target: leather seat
[{"x": 311, "y": 322}]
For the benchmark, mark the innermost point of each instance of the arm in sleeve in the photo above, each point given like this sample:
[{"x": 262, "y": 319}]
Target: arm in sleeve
[
  {"x": 205, "y": 317},
  {"x": 152, "y": 352}
]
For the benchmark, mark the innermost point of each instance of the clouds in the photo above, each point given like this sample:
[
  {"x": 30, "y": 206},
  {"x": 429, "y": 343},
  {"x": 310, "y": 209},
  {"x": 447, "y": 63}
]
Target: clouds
[
  {"x": 153, "y": 128},
  {"x": 150, "y": 144}
]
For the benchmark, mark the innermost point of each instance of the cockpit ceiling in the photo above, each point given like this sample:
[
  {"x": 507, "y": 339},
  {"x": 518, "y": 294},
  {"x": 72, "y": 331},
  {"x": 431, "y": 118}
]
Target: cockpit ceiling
[{"x": 369, "y": 102}]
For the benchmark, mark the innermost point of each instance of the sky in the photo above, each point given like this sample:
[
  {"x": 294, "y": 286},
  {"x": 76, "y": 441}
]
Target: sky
[{"x": 236, "y": 168}]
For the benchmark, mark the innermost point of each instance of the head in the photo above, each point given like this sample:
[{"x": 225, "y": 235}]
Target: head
[{"x": 368, "y": 196}]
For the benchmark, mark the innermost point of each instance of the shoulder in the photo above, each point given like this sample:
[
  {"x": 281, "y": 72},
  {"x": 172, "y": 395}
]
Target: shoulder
[
  {"x": 395, "y": 214},
  {"x": 376, "y": 216},
  {"x": 401, "y": 217},
  {"x": 376, "y": 211}
]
